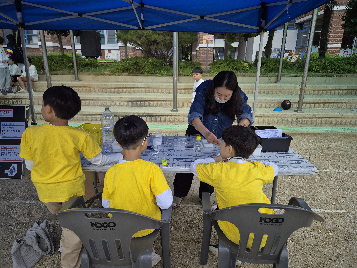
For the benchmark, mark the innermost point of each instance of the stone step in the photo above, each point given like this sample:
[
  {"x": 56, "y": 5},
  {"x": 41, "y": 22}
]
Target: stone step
[
  {"x": 163, "y": 116},
  {"x": 184, "y": 100},
  {"x": 187, "y": 88}
]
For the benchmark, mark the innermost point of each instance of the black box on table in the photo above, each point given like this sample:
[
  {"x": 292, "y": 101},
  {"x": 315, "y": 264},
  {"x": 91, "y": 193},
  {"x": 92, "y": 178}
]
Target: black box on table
[{"x": 274, "y": 144}]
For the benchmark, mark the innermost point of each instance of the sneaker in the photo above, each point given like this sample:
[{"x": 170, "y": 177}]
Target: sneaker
[
  {"x": 155, "y": 258},
  {"x": 21, "y": 90},
  {"x": 9, "y": 91},
  {"x": 3, "y": 92},
  {"x": 176, "y": 201}
]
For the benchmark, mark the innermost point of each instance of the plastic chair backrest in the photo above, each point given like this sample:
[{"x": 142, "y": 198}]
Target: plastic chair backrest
[
  {"x": 278, "y": 227},
  {"x": 108, "y": 240}
]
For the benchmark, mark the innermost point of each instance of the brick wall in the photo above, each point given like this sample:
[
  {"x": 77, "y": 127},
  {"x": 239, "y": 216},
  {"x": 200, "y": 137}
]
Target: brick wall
[
  {"x": 335, "y": 34},
  {"x": 201, "y": 52},
  {"x": 132, "y": 52}
]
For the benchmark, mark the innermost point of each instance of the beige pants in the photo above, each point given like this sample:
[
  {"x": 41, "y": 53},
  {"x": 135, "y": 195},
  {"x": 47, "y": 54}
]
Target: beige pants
[{"x": 70, "y": 242}]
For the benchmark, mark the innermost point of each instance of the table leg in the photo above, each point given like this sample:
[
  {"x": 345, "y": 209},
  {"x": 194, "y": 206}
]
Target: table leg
[
  {"x": 275, "y": 185},
  {"x": 95, "y": 182}
]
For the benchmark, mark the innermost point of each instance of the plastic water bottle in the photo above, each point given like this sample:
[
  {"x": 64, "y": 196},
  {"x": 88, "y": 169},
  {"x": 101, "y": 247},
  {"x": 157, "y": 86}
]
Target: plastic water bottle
[
  {"x": 198, "y": 144},
  {"x": 107, "y": 121}
]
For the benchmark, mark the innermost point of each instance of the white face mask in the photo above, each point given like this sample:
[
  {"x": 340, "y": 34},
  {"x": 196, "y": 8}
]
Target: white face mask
[{"x": 221, "y": 101}]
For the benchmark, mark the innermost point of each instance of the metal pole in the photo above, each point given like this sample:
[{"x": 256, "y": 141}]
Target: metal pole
[
  {"x": 45, "y": 61},
  {"x": 282, "y": 52},
  {"x": 257, "y": 76},
  {"x": 304, "y": 78},
  {"x": 175, "y": 72},
  {"x": 29, "y": 89},
  {"x": 74, "y": 56}
]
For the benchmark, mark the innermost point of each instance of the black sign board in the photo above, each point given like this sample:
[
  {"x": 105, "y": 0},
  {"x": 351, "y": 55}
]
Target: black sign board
[{"x": 12, "y": 125}]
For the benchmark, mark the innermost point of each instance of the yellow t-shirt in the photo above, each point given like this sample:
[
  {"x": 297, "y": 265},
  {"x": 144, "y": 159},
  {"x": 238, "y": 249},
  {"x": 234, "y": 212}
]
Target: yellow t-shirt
[
  {"x": 57, "y": 173},
  {"x": 132, "y": 186},
  {"x": 237, "y": 184}
]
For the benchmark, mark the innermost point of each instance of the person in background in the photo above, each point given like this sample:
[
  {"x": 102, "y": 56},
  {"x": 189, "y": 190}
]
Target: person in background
[
  {"x": 14, "y": 51},
  {"x": 33, "y": 76},
  {"x": 15, "y": 72},
  {"x": 134, "y": 184},
  {"x": 197, "y": 75},
  {"x": 217, "y": 104},
  {"x": 236, "y": 180},
  {"x": 5, "y": 80},
  {"x": 52, "y": 154}
]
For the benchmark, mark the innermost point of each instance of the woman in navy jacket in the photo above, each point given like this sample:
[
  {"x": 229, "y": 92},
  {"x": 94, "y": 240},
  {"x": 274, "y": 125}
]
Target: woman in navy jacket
[{"x": 217, "y": 104}]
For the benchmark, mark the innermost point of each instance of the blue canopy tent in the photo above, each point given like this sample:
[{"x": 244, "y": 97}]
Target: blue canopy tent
[{"x": 226, "y": 16}]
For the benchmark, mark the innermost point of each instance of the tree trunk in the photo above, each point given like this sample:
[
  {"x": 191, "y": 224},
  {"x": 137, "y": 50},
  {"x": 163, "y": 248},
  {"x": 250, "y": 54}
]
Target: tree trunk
[
  {"x": 126, "y": 51},
  {"x": 60, "y": 43},
  {"x": 241, "y": 48},
  {"x": 325, "y": 29},
  {"x": 226, "y": 40},
  {"x": 269, "y": 44}
]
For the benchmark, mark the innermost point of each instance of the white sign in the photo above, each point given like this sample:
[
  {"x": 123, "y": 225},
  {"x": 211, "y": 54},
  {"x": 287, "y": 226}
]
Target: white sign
[
  {"x": 10, "y": 153},
  {"x": 6, "y": 113},
  {"x": 12, "y": 130}
]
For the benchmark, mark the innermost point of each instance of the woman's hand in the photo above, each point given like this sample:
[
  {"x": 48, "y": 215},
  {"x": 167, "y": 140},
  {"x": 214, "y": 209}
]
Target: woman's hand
[
  {"x": 244, "y": 122},
  {"x": 211, "y": 138}
]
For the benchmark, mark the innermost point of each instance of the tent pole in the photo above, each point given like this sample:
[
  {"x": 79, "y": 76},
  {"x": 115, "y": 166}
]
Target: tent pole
[
  {"x": 304, "y": 78},
  {"x": 175, "y": 72},
  {"x": 257, "y": 76},
  {"x": 282, "y": 52},
  {"x": 74, "y": 56},
  {"x": 29, "y": 89},
  {"x": 45, "y": 60}
]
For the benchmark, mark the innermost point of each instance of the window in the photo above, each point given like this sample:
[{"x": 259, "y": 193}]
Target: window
[
  {"x": 234, "y": 52},
  {"x": 303, "y": 32},
  {"x": 108, "y": 37},
  {"x": 31, "y": 37},
  {"x": 291, "y": 25},
  {"x": 219, "y": 53}
]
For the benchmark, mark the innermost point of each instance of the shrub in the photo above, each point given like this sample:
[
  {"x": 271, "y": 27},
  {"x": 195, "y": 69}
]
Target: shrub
[{"x": 237, "y": 66}]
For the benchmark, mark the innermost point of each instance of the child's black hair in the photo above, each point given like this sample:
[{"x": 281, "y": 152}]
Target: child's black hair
[
  {"x": 243, "y": 140},
  {"x": 1, "y": 40},
  {"x": 30, "y": 61},
  {"x": 64, "y": 101},
  {"x": 197, "y": 70},
  {"x": 129, "y": 131}
]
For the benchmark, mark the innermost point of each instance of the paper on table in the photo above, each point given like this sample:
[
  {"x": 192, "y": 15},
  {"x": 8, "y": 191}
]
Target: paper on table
[
  {"x": 269, "y": 133},
  {"x": 116, "y": 147}
]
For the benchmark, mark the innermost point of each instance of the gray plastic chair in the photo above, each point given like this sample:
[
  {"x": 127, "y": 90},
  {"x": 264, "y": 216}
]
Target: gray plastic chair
[
  {"x": 108, "y": 242},
  {"x": 248, "y": 220}
]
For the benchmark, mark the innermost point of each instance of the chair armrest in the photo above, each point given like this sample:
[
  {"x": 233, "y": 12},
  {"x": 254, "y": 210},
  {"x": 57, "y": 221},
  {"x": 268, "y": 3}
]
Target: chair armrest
[
  {"x": 206, "y": 203},
  {"x": 166, "y": 214},
  {"x": 299, "y": 202}
]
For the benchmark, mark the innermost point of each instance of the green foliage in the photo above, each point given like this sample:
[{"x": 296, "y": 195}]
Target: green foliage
[
  {"x": 151, "y": 66},
  {"x": 350, "y": 18},
  {"x": 155, "y": 44},
  {"x": 229, "y": 64}
]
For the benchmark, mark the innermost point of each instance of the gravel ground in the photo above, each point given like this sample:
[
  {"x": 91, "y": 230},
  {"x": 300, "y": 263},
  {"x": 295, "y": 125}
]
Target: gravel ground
[{"x": 330, "y": 193}]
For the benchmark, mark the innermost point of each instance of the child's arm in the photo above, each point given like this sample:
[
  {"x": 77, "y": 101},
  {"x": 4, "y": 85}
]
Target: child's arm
[
  {"x": 104, "y": 159},
  {"x": 201, "y": 161},
  {"x": 164, "y": 200},
  {"x": 276, "y": 168}
]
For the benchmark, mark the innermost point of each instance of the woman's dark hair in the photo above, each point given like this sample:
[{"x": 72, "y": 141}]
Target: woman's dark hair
[
  {"x": 64, "y": 101},
  {"x": 243, "y": 140},
  {"x": 129, "y": 131},
  {"x": 231, "y": 108}
]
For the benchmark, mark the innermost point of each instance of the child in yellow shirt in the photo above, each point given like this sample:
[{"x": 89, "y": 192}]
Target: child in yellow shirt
[
  {"x": 134, "y": 184},
  {"x": 236, "y": 180},
  {"x": 52, "y": 154}
]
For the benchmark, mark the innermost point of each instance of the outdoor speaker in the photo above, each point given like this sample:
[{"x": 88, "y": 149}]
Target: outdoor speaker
[
  {"x": 286, "y": 105},
  {"x": 90, "y": 43}
]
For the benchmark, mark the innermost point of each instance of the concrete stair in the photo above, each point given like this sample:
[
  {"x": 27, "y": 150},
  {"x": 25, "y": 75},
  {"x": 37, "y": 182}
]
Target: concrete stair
[{"x": 328, "y": 102}]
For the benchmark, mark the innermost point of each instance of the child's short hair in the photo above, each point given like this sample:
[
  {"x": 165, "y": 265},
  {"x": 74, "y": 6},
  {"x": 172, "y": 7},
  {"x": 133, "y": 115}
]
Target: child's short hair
[
  {"x": 197, "y": 70},
  {"x": 29, "y": 60},
  {"x": 243, "y": 140},
  {"x": 64, "y": 101},
  {"x": 129, "y": 131}
]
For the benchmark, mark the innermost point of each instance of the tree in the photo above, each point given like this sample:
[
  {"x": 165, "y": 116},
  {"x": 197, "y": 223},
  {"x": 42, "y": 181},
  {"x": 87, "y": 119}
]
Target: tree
[
  {"x": 325, "y": 28},
  {"x": 59, "y": 34},
  {"x": 155, "y": 44},
  {"x": 350, "y": 18},
  {"x": 269, "y": 44}
]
